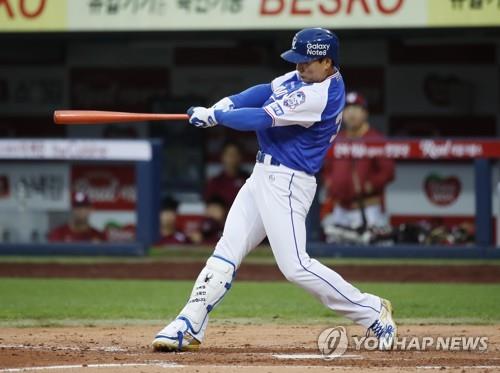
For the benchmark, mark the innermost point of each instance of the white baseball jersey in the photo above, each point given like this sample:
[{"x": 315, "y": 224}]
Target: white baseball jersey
[{"x": 306, "y": 119}]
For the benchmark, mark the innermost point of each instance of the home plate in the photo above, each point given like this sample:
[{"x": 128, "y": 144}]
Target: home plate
[{"x": 314, "y": 356}]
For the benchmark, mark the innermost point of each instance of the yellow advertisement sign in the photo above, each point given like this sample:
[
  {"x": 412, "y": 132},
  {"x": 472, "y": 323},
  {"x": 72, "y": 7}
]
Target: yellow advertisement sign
[
  {"x": 33, "y": 15},
  {"x": 245, "y": 14},
  {"x": 114, "y": 15},
  {"x": 463, "y": 13},
  {"x": 279, "y": 14}
]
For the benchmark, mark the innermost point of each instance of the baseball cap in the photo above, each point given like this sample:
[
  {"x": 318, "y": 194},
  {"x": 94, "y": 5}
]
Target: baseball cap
[
  {"x": 311, "y": 44},
  {"x": 356, "y": 98}
]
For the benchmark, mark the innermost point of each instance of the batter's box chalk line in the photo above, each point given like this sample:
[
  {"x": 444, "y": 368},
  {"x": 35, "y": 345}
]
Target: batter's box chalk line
[
  {"x": 65, "y": 348},
  {"x": 313, "y": 356}
]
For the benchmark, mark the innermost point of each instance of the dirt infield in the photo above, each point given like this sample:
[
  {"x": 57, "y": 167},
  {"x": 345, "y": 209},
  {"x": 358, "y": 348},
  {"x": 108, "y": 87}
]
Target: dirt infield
[
  {"x": 237, "y": 347},
  {"x": 254, "y": 272},
  {"x": 229, "y": 348}
]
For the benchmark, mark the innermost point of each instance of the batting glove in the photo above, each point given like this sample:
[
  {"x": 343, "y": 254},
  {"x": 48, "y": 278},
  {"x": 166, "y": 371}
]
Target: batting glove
[
  {"x": 202, "y": 117},
  {"x": 225, "y": 104}
]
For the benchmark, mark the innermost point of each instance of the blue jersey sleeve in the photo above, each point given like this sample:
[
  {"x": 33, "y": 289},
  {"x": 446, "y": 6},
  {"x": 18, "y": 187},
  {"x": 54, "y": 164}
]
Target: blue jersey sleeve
[
  {"x": 254, "y": 96},
  {"x": 246, "y": 119}
]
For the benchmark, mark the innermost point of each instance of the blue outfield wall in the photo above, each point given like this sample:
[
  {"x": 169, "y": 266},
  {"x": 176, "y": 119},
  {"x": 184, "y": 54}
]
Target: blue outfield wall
[
  {"x": 73, "y": 249},
  {"x": 315, "y": 249},
  {"x": 320, "y": 249}
]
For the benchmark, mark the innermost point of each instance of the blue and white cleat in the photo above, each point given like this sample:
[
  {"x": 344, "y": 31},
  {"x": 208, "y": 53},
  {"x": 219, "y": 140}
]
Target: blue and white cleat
[
  {"x": 175, "y": 337},
  {"x": 385, "y": 329}
]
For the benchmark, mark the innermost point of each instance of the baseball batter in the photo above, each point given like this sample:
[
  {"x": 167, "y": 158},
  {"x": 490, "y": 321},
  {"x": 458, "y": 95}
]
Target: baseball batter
[{"x": 296, "y": 118}]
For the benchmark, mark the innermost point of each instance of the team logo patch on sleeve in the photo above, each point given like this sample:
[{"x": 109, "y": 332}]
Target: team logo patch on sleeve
[
  {"x": 277, "y": 109},
  {"x": 294, "y": 99}
]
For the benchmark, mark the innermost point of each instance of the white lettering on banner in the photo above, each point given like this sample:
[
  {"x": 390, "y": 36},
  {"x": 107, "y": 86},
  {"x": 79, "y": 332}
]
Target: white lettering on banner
[
  {"x": 107, "y": 193},
  {"x": 447, "y": 149},
  {"x": 469, "y": 150},
  {"x": 317, "y": 49},
  {"x": 361, "y": 150},
  {"x": 109, "y": 187},
  {"x": 397, "y": 150},
  {"x": 433, "y": 150},
  {"x": 125, "y": 150}
]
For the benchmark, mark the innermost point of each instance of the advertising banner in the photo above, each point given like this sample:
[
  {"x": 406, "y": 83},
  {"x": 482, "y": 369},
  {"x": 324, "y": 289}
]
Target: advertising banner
[
  {"x": 129, "y": 15},
  {"x": 34, "y": 187},
  {"x": 244, "y": 14},
  {"x": 465, "y": 13},
  {"x": 416, "y": 149},
  {"x": 434, "y": 189},
  {"x": 112, "y": 150},
  {"x": 108, "y": 187},
  {"x": 437, "y": 189},
  {"x": 33, "y": 15}
]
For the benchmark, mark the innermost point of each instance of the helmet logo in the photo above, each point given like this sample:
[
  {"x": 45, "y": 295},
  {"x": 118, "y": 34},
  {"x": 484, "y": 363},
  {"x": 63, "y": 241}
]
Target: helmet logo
[
  {"x": 317, "y": 49},
  {"x": 294, "y": 42}
]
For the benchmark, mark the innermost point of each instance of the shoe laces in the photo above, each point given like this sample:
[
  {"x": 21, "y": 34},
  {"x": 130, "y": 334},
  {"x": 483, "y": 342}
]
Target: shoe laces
[{"x": 379, "y": 329}]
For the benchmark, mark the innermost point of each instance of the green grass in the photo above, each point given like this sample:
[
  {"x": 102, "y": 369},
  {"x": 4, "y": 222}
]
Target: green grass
[{"x": 27, "y": 302}]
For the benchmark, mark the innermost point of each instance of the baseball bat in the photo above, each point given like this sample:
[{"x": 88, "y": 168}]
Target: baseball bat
[{"x": 101, "y": 117}]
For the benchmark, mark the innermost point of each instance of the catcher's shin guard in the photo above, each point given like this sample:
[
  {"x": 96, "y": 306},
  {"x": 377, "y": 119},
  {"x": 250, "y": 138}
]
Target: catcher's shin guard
[{"x": 210, "y": 287}]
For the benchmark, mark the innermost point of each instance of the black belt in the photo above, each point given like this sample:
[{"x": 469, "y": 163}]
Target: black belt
[{"x": 261, "y": 156}]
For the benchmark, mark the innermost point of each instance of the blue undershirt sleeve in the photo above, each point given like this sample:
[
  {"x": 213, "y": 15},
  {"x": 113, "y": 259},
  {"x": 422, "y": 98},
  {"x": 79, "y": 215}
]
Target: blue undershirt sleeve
[
  {"x": 254, "y": 96},
  {"x": 246, "y": 119}
]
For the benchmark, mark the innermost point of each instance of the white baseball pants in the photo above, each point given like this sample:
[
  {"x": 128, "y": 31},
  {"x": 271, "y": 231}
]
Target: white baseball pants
[{"x": 274, "y": 202}]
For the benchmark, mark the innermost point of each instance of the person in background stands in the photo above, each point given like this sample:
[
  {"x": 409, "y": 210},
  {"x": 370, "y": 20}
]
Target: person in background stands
[
  {"x": 168, "y": 224},
  {"x": 357, "y": 185},
  {"x": 212, "y": 225},
  {"x": 78, "y": 228},
  {"x": 227, "y": 184}
]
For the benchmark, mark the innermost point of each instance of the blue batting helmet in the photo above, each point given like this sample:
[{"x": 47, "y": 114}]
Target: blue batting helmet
[{"x": 312, "y": 44}]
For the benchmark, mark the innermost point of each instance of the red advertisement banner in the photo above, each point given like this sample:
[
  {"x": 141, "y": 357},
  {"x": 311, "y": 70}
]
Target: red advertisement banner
[
  {"x": 108, "y": 187},
  {"x": 417, "y": 149}
]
